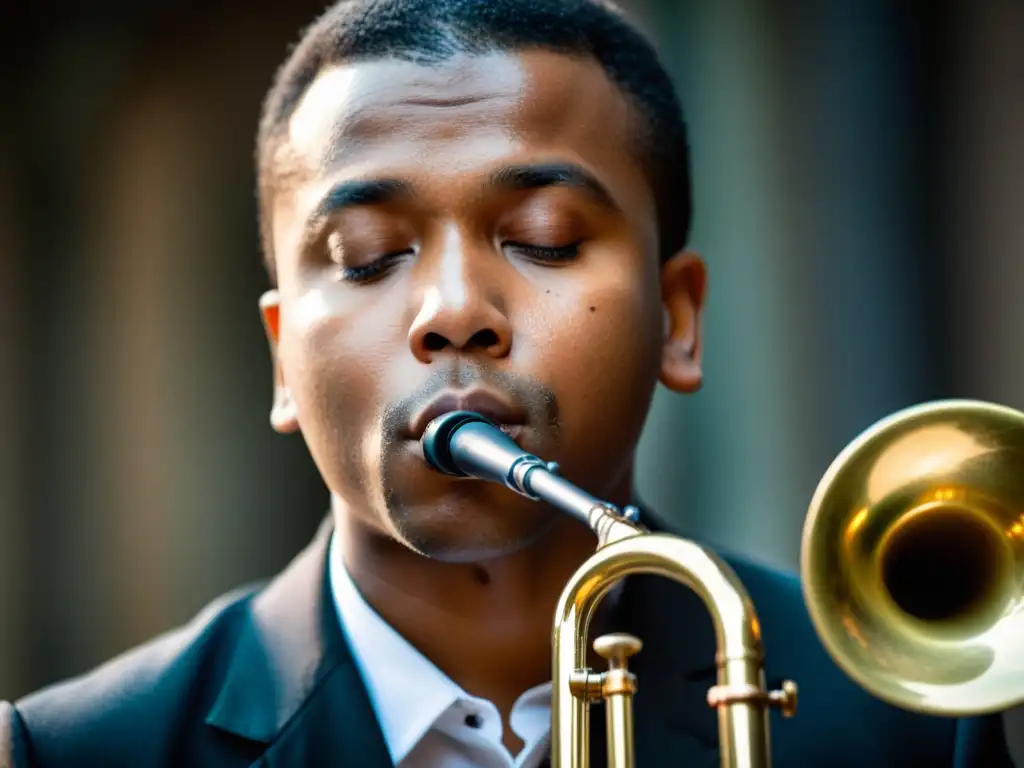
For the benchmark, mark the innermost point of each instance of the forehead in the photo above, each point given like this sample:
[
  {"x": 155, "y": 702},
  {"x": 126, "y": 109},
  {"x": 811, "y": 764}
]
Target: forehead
[{"x": 468, "y": 113}]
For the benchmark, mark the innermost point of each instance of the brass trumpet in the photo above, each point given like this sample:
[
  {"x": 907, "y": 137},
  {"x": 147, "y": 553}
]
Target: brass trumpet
[{"x": 912, "y": 562}]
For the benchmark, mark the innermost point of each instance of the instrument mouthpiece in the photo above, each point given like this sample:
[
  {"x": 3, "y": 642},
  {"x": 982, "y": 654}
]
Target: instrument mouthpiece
[
  {"x": 437, "y": 440},
  {"x": 468, "y": 445}
]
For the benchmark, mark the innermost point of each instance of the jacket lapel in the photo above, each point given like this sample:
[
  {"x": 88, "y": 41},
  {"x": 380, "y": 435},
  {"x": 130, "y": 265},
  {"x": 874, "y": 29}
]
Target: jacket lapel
[
  {"x": 336, "y": 727},
  {"x": 291, "y": 684}
]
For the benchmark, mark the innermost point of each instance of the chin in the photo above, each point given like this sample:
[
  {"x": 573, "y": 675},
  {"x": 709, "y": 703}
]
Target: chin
[{"x": 468, "y": 531}]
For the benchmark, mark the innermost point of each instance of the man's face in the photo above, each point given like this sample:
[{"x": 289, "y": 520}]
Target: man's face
[{"x": 481, "y": 229}]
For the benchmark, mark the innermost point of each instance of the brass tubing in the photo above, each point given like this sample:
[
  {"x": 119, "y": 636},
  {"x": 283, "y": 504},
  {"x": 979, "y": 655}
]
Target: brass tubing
[
  {"x": 619, "y": 717},
  {"x": 743, "y": 721}
]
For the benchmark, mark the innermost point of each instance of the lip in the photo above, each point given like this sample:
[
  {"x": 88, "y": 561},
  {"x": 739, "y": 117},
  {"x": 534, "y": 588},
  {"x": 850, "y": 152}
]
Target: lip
[{"x": 502, "y": 412}]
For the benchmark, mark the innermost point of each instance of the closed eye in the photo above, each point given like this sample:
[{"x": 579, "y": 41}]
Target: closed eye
[
  {"x": 374, "y": 270},
  {"x": 546, "y": 253}
]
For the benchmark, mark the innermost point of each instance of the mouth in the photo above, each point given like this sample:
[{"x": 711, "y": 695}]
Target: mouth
[{"x": 505, "y": 414}]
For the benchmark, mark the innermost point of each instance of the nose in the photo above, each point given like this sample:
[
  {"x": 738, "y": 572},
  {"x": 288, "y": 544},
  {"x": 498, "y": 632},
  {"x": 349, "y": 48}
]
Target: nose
[{"x": 461, "y": 310}]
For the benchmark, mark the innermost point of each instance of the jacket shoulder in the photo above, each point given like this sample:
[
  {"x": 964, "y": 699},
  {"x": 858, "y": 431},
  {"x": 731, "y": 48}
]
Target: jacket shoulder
[
  {"x": 134, "y": 708},
  {"x": 773, "y": 589}
]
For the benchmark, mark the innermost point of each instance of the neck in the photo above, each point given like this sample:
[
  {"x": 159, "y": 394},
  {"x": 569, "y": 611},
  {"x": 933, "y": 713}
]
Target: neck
[{"x": 486, "y": 625}]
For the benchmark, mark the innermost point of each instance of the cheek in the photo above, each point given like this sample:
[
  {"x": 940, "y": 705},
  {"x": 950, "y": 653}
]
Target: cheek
[
  {"x": 331, "y": 359},
  {"x": 603, "y": 328},
  {"x": 603, "y": 365}
]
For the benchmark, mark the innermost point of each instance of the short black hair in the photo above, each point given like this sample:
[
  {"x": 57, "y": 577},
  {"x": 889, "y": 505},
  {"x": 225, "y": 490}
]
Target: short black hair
[{"x": 431, "y": 31}]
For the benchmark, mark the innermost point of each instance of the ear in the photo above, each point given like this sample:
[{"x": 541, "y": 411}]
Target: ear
[
  {"x": 683, "y": 286},
  {"x": 283, "y": 415}
]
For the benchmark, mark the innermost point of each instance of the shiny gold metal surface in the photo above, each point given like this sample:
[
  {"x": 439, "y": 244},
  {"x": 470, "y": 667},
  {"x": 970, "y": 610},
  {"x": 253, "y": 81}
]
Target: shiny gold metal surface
[
  {"x": 913, "y": 558},
  {"x": 625, "y": 548}
]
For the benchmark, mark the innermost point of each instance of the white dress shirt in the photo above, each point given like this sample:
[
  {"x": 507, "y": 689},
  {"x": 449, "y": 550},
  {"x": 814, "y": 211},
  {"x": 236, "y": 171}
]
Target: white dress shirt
[{"x": 427, "y": 720}]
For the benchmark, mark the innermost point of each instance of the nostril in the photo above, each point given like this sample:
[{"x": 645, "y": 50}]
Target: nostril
[
  {"x": 484, "y": 339},
  {"x": 434, "y": 342}
]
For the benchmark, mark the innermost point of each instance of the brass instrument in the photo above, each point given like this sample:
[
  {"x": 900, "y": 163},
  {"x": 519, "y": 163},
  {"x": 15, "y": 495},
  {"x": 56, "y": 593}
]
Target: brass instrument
[
  {"x": 912, "y": 562},
  {"x": 465, "y": 444},
  {"x": 913, "y": 559}
]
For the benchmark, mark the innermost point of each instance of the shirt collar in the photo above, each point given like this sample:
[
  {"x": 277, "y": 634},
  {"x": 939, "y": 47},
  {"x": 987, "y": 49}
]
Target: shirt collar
[{"x": 407, "y": 691}]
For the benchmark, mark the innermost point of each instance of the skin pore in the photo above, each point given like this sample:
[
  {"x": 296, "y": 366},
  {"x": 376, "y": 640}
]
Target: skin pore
[{"x": 480, "y": 224}]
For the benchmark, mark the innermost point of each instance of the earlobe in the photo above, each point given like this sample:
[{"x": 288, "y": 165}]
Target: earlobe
[
  {"x": 284, "y": 417},
  {"x": 683, "y": 286},
  {"x": 283, "y": 413}
]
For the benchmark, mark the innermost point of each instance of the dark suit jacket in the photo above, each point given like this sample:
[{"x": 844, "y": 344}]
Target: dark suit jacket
[{"x": 265, "y": 678}]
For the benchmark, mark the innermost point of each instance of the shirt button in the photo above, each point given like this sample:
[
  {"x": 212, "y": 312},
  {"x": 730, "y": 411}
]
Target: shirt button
[{"x": 474, "y": 721}]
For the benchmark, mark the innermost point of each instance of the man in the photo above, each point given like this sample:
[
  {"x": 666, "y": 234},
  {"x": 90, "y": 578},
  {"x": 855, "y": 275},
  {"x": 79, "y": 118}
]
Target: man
[{"x": 465, "y": 204}]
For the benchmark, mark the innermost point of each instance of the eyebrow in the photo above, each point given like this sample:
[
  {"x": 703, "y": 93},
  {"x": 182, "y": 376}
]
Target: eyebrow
[
  {"x": 529, "y": 177},
  {"x": 369, "y": 192},
  {"x": 359, "y": 192}
]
